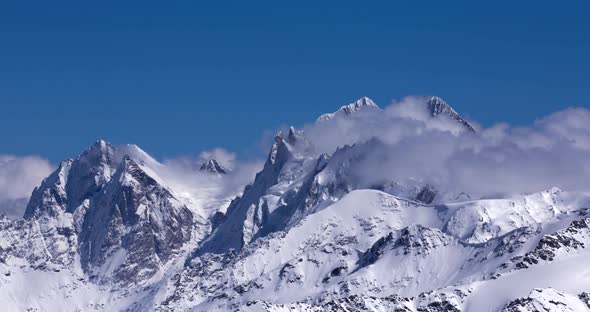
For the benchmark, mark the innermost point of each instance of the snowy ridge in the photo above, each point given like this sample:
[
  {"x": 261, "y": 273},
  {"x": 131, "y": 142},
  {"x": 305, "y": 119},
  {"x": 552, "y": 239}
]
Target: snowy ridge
[
  {"x": 549, "y": 300},
  {"x": 361, "y": 104},
  {"x": 318, "y": 258},
  {"x": 109, "y": 231}
]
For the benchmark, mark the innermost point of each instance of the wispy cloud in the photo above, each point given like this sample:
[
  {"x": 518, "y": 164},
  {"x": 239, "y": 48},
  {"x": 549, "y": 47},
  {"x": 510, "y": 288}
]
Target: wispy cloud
[
  {"x": 211, "y": 191},
  {"x": 501, "y": 159},
  {"x": 554, "y": 151},
  {"x": 18, "y": 177}
]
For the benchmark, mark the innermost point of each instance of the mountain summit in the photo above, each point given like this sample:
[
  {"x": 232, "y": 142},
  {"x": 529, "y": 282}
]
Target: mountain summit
[
  {"x": 438, "y": 107},
  {"x": 316, "y": 230},
  {"x": 361, "y": 104},
  {"x": 212, "y": 166},
  {"x": 110, "y": 206}
]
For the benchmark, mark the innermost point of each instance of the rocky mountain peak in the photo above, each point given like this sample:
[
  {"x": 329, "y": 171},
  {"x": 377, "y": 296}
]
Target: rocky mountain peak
[
  {"x": 279, "y": 152},
  {"x": 292, "y": 136},
  {"x": 439, "y": 107},
  {"x": 50, "y": 197},
  {"x": 212, "y": 166},
  {"x": 101, "y": 152},
  {"x": 133, "y": 227},
  {"x": 78, "y": 179}
]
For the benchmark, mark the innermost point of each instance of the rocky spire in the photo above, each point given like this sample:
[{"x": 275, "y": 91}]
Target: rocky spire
[
  {"x": 135, "y": 216},
  {"x": 212, "y": 166},
  {"x": 74, "y": 181},
  {"x": 438, "y": 107}
]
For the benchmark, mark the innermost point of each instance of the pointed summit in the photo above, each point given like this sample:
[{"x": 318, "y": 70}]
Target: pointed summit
[
  {"x": 77, "y": 180},
  {"x": 50, "y": 197},
  {"x": 212, "y": 166},
  {"x": 358, "y": 105},
  {"x": 361, "y": 104},
  {"x": 133, "y": 226},
  {"x": 232, "y": 234},
  {"x": 278, "y": 151},
  {"x": 73, "y": 182},
  {"x": 437, "y": 107},
  {"x": 99, "y": 149},
  {"x": 100, "y": 143},
  {"x": 292, "y": 137}
]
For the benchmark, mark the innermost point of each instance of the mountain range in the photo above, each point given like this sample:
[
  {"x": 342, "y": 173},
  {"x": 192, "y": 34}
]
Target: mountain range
[{"x": 316, "y": 230}]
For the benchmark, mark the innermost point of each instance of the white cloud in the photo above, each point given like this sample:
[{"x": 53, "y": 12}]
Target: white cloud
[
  {"x": 18, "y": 177},
  {"x": 211, "y": 191},
  {"x": 225, "y": 158},
  {"x": 554, "y": 151}
]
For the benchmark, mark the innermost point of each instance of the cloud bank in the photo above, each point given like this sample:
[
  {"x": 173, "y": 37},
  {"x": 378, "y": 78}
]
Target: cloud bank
[
  {"x": 499, "y": 160},
  {"x": 416, "y": 149},
  {"x": 212, "y": 192}
]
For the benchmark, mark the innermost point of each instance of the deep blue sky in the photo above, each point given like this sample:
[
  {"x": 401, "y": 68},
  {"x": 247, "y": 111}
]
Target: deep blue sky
[{"x": 179, "y": 77}]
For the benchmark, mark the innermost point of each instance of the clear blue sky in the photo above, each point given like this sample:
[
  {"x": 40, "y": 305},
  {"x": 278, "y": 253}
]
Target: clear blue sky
[{"x": 178, "y": 77}]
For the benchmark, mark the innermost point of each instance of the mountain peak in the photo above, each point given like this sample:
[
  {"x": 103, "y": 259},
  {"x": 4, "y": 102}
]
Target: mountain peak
[
  {"x": 99, "y": 146},
  {"x": 212, "y": 166},
  {"x": 295, "y": 136},
  {"x": 278, "y": 149},
  {"x": 291, "y": 137},
  {"x": 100, "y": 152},
  {"x": 437, "y": 107},
  {"x": 360, "y": 104},
  {"x": 130, "y": 173},
  {"x": 132, "y": 227},
  {"x": 101, "y": 142}
]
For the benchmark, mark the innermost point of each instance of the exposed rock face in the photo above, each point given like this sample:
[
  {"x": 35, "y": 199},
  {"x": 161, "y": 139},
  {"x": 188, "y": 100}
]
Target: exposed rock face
[
  {"x": 105, "y": 232},
  {"x": 43, "y": 246},
  {"x": 234, "y": 233},
  {"x": 427, "y": 194},
  {"x": 547, "y": 299},
  {"x": 438, "y": 107},
  {"x": 57, "y": 207},
  {"x": 414, "y": 239},
  {"x": 135, "y": 226},
  {"x": 567, "y": 240},
  {"x": 50, "y": 198},
  {"x": 111, "y": 209},
  {"x": 73, "y": 182},
  {"x": 292, "y": 184}
]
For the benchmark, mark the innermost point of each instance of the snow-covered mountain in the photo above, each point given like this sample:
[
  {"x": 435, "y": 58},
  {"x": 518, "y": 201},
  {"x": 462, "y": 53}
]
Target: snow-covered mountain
[
  {"x": 363, "y": 103},
  {"x": 110, "y": 231},
  {"x": 212, "y": 166}
]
